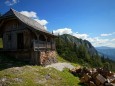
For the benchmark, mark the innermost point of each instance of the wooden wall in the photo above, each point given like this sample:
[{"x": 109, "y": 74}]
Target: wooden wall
[{"x": 13, "y": 28}]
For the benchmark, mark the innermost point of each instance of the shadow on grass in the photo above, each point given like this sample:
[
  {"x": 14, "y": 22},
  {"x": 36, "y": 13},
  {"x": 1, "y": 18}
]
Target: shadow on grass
[
  {"x": 9, "y": 62},
  {"x": 80, "y": 84}
]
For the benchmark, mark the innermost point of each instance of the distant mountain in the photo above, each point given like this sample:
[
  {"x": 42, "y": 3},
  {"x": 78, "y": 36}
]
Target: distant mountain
[
  {"x": 104, "y": 47},
  {"x": 78, "y": 42},
  {"x": 107, "y": 51}
]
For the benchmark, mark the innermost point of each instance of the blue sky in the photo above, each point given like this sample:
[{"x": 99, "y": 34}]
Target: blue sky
[{"x": 93, "y": 20}]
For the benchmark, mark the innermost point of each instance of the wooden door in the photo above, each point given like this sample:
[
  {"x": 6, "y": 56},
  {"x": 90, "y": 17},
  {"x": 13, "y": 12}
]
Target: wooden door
[{"x": 20, "y": 41}]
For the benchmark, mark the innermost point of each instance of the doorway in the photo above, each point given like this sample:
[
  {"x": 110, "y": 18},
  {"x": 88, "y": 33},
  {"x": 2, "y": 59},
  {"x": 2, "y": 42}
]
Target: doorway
[{"x": 20, "y": 41}]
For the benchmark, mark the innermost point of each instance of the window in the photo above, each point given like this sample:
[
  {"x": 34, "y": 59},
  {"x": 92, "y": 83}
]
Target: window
[{"x": 15, "y": 25}]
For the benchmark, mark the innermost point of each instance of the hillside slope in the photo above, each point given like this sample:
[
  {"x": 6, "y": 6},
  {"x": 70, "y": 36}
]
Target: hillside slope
[
  {"x": 18, "y": 73},
  {"x": 36, "y": 76}
]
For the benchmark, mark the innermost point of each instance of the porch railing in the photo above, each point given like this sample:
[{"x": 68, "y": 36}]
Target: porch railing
[{"x": 43, "y": 45}]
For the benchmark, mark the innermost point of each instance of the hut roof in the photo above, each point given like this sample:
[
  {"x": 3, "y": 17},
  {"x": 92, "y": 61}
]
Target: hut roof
[{"x": 29, "y": 21}]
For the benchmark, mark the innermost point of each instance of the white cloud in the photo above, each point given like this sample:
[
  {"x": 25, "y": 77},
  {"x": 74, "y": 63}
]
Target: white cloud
[
  {"x": 33, "y": 15},
  {"x": 82, "y": 36},
  {"x": 11, "y": 2},
  {"x": 106, "y": 34},
  {"x": 62, "y": 31},
  {"x": 96, "y": 41},
  {"x": 113, "y": 40},
  {"x": 42, "y": 22}
]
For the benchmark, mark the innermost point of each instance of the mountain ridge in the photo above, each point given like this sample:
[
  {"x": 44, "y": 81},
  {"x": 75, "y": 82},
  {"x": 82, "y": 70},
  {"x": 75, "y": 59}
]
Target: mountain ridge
[
  {"x": 91, "y": 49},
  {"x": 107, "y": 52}
]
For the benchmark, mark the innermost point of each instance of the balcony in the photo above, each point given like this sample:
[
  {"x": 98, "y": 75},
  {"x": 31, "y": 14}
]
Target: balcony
[{"x": 40, "y": 45}]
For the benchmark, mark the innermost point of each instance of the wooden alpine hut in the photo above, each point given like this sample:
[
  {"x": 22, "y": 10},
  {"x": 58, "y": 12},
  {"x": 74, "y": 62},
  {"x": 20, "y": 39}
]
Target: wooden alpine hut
[{"x": 26, "y": 39}]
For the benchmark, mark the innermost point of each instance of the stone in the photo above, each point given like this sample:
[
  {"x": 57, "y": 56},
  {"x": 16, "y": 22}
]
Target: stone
[
  {"x": 47, "y": 57},
  {"x": 91, "y": 83},
  {"x": 3, "y": 79},
  {"x": 47, "y": 76},
  {"x": 18, "y": 79}
]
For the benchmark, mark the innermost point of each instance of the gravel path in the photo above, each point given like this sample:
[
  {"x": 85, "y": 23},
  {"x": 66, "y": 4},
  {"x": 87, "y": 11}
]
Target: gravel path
[{"x": 61, "y": 66}]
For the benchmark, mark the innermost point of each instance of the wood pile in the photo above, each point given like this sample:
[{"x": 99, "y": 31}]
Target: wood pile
[{"x": 95, "y": 77}]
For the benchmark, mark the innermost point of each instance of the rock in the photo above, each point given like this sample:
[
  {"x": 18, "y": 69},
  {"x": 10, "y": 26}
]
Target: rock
[
  {"x": 18, "y": 80},
  {"x": 92, "y": 83},
  {"x": 3, "y": 79},
  {"x": 47, "y": 76}
]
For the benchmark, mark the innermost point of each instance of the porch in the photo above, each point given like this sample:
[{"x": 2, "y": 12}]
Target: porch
[{"x": 40, "y": 45}]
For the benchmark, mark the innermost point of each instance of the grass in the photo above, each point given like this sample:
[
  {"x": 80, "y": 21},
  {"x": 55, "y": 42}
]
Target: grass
[
  {"x": 37, "y": 76},
  {"x": 17, "y": 73},
  {"x": 1, "y": 43}
]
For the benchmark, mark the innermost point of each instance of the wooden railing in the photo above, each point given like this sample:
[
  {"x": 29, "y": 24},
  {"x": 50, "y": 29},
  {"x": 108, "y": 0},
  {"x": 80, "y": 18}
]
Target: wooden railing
[{"x": 37, "y": 45}]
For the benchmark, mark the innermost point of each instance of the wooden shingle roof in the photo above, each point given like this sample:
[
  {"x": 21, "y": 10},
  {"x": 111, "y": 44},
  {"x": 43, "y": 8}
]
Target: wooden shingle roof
[{"x": 28, "y": 21}]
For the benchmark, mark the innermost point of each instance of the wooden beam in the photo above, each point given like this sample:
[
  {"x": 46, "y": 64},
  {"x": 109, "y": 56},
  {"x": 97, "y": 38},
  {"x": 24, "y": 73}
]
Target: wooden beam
[{"x": 1, "y": 23}]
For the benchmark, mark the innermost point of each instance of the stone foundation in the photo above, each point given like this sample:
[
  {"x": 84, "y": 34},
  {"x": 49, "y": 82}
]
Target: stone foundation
[
  {"x": 43, "y": 57},
  {"x": 48, "y": 57}
]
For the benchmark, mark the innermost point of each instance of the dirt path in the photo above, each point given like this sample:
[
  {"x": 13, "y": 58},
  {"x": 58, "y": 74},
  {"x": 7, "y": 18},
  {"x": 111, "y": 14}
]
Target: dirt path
[{"x": 61, "y": 66}]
